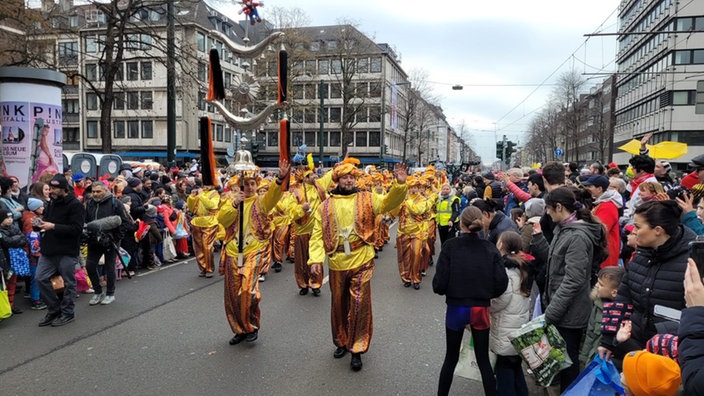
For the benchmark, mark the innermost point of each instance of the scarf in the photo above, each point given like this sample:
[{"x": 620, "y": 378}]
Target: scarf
[
  {"x": 570, "y": 219},
  {"x": 637, "y": 181}
]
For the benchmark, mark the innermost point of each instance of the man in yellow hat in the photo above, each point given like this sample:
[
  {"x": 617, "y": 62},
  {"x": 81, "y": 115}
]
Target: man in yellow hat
[
  {"x": 411, "y": 239},
  {"x": 241, "y": 269},
  {"x": 306, "y": 197},
  {"x": 344, "y": 233},
  {"x": 204, "y": 203}
]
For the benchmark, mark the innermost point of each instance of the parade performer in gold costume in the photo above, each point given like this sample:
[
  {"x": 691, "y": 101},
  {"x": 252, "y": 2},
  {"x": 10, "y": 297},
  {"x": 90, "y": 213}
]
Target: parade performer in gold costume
[
  {"x": 307, "y": 196},
  {"x": 241, "y": 270},
  {"x": 411, "y": 239},
  {"x": 344, "y": 233},
  {"x": 204, "y": 203}
]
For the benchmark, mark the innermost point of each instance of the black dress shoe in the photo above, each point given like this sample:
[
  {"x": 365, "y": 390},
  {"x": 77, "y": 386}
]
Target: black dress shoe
[
  {"x": 406, "y": 284},
  {"x": 16, "y": 311},
  {"x": 340, "y": 352},
  {"x": 48, "y": 319},
  {"x": 356, "y": 363},
  {"x": 304, "y": 291},
  {"x": 251, "y": 337},
  {"x": 277, "y": 267},
  {"x": 316, "y": 292},
  {"x": 237, "y": 339},
  {"x": 62, "y": 320},
  {"x": 416, "y": 286}
]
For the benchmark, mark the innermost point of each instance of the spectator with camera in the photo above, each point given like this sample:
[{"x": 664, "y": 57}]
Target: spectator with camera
[
  {"x": 104, "y": 232},
  {"x": 61, "y": 229}
]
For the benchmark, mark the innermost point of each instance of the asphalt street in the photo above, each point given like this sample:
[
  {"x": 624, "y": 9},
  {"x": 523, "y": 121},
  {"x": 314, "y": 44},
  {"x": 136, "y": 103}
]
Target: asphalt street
[{"x": 166, "y": 334}]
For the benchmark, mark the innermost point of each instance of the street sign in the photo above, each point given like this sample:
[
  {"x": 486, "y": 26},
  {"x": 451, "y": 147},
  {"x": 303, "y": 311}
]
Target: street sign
[{"x": 559, "y": 152}]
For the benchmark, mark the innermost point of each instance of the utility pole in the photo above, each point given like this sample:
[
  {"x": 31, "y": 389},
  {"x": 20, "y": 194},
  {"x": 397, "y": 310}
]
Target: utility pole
[
  {"x": 503, "y": 157},
  {"x": 170, "y": 86},
  {"x": 321, "y": 85}
]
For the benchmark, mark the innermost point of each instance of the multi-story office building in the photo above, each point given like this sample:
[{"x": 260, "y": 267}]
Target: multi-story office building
[
  {"x": 361, "y": 107},
  {"x": 139, "y": 115},
  {"x": 345, "y": 86},
  {"x": 660, "y": 68}
]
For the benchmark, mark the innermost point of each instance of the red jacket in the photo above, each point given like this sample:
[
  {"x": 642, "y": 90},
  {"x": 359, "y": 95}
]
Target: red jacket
[{"x": 607, "y": 212}]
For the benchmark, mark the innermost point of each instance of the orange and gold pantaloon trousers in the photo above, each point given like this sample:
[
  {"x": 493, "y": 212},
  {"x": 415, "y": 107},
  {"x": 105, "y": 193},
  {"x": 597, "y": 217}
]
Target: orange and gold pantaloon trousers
[
  {"x": 379, "y": 232},
  {"x": 410, "y": 253},
  {"x": 432, "y": 236},
  {"x": 291, "y": 252},
  {"x": 242, "y": 294},
  {"x": 279, "y": 243},
  {"x": 304, "y": 278},
  {"x": 351, "y": 312},
  {"x": 203, "y": 240}
]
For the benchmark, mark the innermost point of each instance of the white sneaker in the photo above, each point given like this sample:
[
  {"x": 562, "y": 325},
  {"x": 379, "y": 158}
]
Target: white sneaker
[
  {"x": 108, "y": 300},
  {"x": 262, "y": 278},
  {"x": 96, "y": 299}
]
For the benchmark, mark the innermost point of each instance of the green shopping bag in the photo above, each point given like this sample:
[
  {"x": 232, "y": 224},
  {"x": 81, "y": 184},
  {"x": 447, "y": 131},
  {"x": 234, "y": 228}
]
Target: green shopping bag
[{"x": 5, "y": 308}]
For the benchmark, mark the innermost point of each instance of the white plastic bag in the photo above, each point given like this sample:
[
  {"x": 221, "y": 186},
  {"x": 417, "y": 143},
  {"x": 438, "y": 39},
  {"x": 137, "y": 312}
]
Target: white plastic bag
[{"x": 467, "y": 366}]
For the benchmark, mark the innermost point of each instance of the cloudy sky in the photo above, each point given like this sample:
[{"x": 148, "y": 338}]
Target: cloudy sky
[{"x": 500, "y": 51}]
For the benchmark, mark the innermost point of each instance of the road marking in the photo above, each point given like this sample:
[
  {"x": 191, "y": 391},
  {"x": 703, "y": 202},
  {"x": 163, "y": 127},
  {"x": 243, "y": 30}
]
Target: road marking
[{"x": 163, "y": 268}]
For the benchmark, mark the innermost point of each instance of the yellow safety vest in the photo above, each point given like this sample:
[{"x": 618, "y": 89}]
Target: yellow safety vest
[{"x": 444, "y": 210}]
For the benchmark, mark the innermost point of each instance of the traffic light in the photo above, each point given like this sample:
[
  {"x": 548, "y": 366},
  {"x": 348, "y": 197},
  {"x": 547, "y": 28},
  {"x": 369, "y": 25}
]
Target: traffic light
[
  {"x": 510, "y": 149},
  {"x": 500, "y": 150}
]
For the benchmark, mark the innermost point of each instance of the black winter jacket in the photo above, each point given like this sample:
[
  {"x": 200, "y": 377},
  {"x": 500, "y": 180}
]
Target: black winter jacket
[
  {"x": 10, "y": 237},
  {"x": 654, "y": 277},
  {"x": 138, "y": 200},
  {"x": 108, "y": 206},
  {"x": 499, "y": 224},
  {"x": 68, "y": 214},
  {"x": 691, "y": 350},
  {"x": 470, "y": 272}
]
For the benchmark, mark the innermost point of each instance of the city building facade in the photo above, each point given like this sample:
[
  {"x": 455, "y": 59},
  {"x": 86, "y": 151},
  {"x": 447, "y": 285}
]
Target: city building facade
[{"x": 659, "y": 80}]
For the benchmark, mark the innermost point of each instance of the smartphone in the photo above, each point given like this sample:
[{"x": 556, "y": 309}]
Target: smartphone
[
  {"x": 696, "y": 253},
  {"x": 664, "y": 312}
]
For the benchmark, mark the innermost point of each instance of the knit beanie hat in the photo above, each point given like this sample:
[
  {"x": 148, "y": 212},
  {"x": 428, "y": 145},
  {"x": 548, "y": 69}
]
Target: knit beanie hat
[
  {"x": 150, "y": 211},
  {"x": 4, "y": 213},
  {"x": 665, "y": 345},
  {"x": 534, "y": 207},
  {"x": 34, "y": 204},
  {"x": 133, "y": 182},
  {"x": 648, "y": 374}
]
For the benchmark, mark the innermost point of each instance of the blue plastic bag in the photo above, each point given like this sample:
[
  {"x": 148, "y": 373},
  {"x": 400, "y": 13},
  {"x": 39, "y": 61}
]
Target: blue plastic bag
[
  {"x": 19, "y": 261},
  {"x": 599, "y": 378}
]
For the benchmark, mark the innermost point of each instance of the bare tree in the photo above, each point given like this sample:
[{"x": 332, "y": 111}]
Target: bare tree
[
  {"x": 21, "y": 30},
  {"x": 565, "y": 97},
  {"x": 415, "y": 112}
]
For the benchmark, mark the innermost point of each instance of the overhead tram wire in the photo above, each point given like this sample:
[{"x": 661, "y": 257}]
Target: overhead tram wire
[{"x": 554, "y": 71}]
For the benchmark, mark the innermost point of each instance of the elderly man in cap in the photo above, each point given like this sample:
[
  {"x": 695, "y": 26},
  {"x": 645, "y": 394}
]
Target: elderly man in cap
[
  {"x": 607, "y": 202},
  {"x": 344, "y": 233},
  {"x": 61, "y": 228},
  {"x": 241, "y": 268}
]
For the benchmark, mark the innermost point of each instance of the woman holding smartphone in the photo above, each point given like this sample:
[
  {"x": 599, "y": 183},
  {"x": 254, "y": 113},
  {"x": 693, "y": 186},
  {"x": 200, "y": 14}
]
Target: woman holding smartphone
[{"x": 654, "y": 275}]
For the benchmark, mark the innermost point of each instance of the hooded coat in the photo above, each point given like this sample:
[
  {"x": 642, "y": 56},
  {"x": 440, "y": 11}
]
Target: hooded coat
[
  {"x": 606, "y": 208},
  {"x": 569, "y": 259}
]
